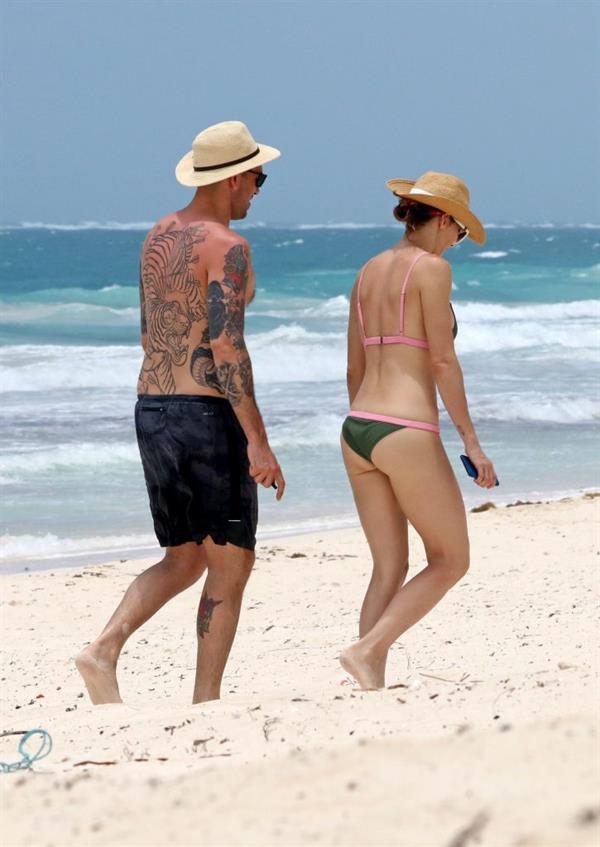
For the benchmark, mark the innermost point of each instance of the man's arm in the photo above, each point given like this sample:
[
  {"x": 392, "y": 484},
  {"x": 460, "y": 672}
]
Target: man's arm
[
  {"x": 226, "y": 306},
  {"x": 226, "y": 302}
]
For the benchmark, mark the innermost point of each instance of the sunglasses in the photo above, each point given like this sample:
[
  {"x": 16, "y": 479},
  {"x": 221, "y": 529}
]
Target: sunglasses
[
  {"x": 260, "y": 177},
  {"x": 463, "y": 231}
]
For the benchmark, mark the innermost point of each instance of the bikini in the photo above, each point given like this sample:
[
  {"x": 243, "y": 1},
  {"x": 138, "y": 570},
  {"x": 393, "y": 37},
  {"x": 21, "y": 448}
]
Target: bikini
[{"x": 363, "y": 430}]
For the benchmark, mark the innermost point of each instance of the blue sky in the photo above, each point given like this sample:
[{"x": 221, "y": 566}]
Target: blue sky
[{"x": 100, "y": 99}]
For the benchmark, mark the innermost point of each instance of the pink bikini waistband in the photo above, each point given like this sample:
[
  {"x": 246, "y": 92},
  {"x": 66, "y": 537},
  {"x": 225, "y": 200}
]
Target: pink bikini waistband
[{"x": 373, "y": 416}]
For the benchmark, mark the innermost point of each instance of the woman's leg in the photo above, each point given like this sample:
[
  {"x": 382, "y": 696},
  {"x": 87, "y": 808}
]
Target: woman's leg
[
  {"x": 386, "y": 531},
  {"x": 421, "y": 477}
]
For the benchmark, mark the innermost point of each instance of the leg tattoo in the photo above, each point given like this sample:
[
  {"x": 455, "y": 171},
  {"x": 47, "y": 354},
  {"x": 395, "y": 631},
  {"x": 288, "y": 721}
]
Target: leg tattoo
[{"x": 205, "y": 612}]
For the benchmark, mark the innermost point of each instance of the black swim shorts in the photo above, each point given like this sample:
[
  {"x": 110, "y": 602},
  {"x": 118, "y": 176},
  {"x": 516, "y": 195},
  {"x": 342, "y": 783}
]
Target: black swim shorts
[{"x": 195, "y": 460}]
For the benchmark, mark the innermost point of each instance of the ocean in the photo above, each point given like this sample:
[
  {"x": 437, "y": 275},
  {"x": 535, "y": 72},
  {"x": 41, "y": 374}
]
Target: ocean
[{"x": 527, "y": 306}]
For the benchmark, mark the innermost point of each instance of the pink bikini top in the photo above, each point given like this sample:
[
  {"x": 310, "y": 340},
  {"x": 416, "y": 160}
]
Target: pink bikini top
[{"x": 401, "y": 338}]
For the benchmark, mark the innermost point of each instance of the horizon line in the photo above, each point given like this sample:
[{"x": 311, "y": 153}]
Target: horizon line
[{"x": 145, "y": 225}]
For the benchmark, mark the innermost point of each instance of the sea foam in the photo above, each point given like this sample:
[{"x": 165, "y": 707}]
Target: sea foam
[
  {"x": 15, "y": 466},
  {"x": 534, "y": 408},
  {"x": 292, "y": 353},
  {"x": 59, "y": 314},
  {"x": 82, "y": 226},
  {"x": 14, "y": 548},
  {"x": 31, "y": 367}
]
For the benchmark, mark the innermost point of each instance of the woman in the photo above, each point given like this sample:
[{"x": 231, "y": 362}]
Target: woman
[{"x": 400, "y": 347}]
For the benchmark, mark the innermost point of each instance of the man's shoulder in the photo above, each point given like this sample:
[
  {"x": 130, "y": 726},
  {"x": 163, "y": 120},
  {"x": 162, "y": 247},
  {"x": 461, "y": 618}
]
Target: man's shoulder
[
  {"x": 212, "y": 243},
  {"x": 224, "y": 236},
  {"x": 212, "y": 230},
  {"x": 166, "y": 226}
]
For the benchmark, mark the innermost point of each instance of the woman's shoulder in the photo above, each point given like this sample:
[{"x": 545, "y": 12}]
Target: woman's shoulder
[
  {"x": 376, "y": 260},
  {"x": 432, "y": 269},
  {"x": 373, "y": 263},
  {"x": 433, "y": 262}
]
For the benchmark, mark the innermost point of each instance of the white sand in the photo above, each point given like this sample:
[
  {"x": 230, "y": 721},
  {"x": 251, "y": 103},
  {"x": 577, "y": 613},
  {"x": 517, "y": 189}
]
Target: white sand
[{"x": 491, "y": 738}]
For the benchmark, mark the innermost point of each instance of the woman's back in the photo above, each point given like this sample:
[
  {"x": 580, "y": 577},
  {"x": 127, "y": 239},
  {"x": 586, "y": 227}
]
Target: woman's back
[{"x": 398, "y": 378}]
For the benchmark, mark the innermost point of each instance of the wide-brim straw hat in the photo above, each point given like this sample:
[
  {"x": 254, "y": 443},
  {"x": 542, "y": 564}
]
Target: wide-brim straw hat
[
  {"x": 444, "y": 192},
  {"x": 221, "y": 151}
]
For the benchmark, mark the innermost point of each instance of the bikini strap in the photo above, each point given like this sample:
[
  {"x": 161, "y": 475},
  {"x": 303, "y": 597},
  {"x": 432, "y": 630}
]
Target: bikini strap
[
  {"x": 404, "y": 286},
  {"x": 360, "y": 314}
]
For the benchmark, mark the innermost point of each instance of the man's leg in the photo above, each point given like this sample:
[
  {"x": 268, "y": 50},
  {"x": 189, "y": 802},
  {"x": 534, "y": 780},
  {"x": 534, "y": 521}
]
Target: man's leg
[
  {"x": 218, "y": 614},
  {"x": 97, "y": 663}
]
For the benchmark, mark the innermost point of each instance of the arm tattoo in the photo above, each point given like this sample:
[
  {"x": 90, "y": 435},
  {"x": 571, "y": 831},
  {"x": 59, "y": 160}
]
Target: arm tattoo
[
  {"x": 226, "y": 300},
  {"x": 227, "y": 374},
  {"x": 225, "y": 305},
  {"x": 245, "y": 371},
  {"x": 143, "y": 320},
  {"x": 205, "y": 613},
  {"x": 202, "y": 367},
  {"x": 215, "y": 301},
  {"x": 233, "y": 380},
  {"x": 236, "y": 268}
]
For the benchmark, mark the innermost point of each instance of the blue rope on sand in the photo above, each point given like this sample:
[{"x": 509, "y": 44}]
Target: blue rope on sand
[{"x": 26, "y": 759}]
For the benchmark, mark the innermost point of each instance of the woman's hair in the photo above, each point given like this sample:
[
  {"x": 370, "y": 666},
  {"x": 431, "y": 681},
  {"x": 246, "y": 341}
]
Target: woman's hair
[{"x": 413, "y": 214}]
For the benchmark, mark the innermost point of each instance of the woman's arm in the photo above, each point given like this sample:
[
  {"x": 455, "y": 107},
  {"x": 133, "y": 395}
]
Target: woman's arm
[
  {"x": 435, "y": 287},
  {"x": 356, "y": 352}
]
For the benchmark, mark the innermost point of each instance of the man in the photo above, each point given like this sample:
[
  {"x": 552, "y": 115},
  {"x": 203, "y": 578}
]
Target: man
[{"x": 201, "y": 436}]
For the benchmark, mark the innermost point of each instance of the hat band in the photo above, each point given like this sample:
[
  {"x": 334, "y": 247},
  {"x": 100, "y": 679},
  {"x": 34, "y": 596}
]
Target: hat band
[{"x": 228, "y": 164}]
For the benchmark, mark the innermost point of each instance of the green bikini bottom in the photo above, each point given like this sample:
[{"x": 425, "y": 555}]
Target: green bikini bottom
[{"x": 362, "y": 436}]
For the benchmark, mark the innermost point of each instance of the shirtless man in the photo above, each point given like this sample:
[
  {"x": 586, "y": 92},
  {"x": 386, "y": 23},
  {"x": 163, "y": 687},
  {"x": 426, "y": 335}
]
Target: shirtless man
[{"x": 201, "y": 436}]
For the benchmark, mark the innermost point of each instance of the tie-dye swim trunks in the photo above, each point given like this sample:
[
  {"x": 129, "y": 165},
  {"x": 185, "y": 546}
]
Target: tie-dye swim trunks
[{"x": 195, "y": 460}]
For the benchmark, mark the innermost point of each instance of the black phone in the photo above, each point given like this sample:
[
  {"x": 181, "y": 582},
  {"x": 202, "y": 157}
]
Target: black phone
[{"x": 471, "y": 469}]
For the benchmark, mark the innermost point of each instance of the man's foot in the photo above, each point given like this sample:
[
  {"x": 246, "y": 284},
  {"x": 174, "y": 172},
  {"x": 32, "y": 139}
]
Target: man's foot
[
  {"x": 100, "y": 677},
  {"x": 366, "y": 670},
  {"x": 205, "y": 698}
]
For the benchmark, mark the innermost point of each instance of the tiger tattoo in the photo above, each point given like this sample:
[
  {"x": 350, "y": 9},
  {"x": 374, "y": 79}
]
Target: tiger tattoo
[{"x": 170, "y": 302}]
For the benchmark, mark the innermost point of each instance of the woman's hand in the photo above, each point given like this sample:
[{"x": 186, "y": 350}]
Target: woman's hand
[{"x": 486, "y": 475}]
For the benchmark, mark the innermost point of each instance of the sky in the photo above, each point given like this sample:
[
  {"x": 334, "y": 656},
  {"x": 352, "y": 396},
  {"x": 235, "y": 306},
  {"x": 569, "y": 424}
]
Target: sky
[{"x": 99, "y": 100}]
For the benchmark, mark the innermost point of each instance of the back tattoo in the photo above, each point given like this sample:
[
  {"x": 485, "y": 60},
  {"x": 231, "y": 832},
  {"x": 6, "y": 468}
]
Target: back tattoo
[{"x": 172, "y": 300}]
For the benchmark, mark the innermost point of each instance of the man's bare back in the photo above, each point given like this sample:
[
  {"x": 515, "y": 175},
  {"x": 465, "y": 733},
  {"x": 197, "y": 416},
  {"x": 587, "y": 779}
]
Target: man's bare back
[{"x": 176, "y": 298}]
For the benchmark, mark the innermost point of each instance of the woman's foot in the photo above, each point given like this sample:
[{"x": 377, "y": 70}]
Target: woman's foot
[
  {"x": 100, "y": 677},
  {"x": 367, "y": 670}
]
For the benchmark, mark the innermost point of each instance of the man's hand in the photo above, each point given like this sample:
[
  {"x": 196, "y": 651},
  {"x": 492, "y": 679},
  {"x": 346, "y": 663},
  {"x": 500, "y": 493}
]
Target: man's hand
[{"x": 264, "y": 467}]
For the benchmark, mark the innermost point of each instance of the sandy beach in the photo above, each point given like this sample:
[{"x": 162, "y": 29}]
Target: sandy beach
[{"x": 487, "y": 734}]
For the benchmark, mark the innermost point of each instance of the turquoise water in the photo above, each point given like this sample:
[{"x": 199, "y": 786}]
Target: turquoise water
[{"x": 527, "y": 306}]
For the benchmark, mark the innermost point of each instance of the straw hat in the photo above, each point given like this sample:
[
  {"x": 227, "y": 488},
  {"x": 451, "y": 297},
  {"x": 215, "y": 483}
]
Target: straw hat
[
  {"x": 221, "y": 151},
  {"x": 444, "y": 192}
]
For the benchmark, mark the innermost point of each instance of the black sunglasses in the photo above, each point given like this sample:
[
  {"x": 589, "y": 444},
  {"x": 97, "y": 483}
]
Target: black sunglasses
[{"x": 260, "y": 177}]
